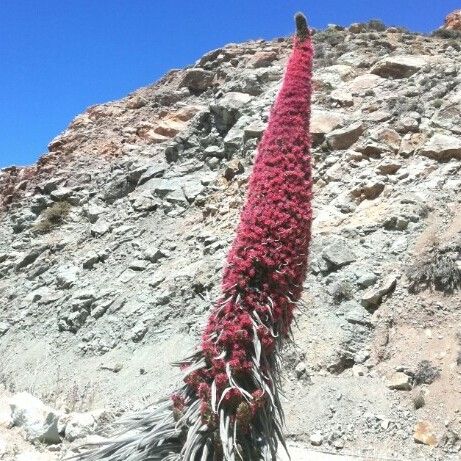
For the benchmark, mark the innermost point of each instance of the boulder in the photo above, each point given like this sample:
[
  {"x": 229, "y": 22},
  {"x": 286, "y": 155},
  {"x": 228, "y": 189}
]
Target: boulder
[
  {"x": 442, "y": 147},
  {"x": 197, "y": 79},
  {"x": 227, "y": 110},
  {"x": 372, "y": 298},
  {"x": 322, "y": 123},
  {"x": 453, "y": 21},
  {"x": 399, "y": 381},
  {"x": 424, "y": 434},
  {"x": 398, "y": 66},
  {"x": 79, "y": 425},
  {"x": 343, "y": 138},
  {"x": 39, "y": 421},
  {"x": 338, "y": 254}
]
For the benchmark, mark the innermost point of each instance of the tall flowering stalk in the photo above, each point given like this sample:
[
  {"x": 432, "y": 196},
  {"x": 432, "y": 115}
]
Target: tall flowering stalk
[{"x": 229, "y": 408}]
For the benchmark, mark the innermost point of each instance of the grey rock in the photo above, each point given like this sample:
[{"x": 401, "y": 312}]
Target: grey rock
[
  {"x": 100, "y": 228},
  {"x": 62, "y": 193},
  {"x": 228, "y": 109},
  {"x": 398, "y": 66},
  {"x": 316, "y": 439},
  {"x": 338, "y": 254},
  {"x": 67, "y": 276},
  {"x": 254, "y": 130},
  {"x": 39, "y": 421},
  {"x": 355, "y": 313},
  {"x": 154, "y": 171},
  {"x": 30, "y": 257},
  {"x": 154, "y": 254},
  {"x": 4, "y": 327},
  {"x": 79, "y": 425},
  {"x": 372, "y": 298},
  {"x": 93, "y": 212},
  {"x": 344, "y": 138}
]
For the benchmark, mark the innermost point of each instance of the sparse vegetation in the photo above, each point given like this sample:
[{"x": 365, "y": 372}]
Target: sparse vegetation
[
  {"x": 376, "y": 25},
  {"x": 419, "y": 401},
  {"x": 426, "y": 373},
  {"x": 342, "y": 291},
  {"x": 447, "y": 34},
  {"x": 53, "y": 217},
  {"x": 436, "y": 271}
]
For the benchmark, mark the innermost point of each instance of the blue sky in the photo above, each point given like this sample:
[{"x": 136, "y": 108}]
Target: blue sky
[{"x": 58, "y": 57}]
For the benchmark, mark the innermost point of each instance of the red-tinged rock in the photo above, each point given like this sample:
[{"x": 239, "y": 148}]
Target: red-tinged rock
[
  {"x": 453, "y": 21},
  {"x": 424, "y": 434}
]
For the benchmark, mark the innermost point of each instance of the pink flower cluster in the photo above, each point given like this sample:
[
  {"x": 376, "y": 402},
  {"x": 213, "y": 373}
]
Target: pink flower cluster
[{"x": 267, "y": 262}]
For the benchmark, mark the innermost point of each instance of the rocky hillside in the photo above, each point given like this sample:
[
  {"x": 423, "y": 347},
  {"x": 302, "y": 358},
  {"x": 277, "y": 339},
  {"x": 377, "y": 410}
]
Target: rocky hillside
[{"x": 112, "y": 245}]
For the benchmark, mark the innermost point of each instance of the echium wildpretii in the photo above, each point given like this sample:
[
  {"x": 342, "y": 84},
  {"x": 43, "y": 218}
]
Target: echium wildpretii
[{"x": 229, "y": 409}]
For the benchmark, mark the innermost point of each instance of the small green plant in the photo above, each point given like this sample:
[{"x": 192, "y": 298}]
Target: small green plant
[
  {"x": 437, "y": 103},
  {"x": 53, "y": 217}
]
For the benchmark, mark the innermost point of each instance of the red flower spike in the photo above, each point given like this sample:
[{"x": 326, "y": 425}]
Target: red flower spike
[{"x": 229, "y": 408}]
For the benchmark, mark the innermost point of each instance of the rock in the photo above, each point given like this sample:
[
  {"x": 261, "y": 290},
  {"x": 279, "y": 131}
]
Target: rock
[
  {"x": 343, "y": 138},
  {"x": 93, "y": 212},
  {"x": 322, "y": 123},
  {"x": 262, "y": 59},
  {"x": 39, "y": 421},
  {"x": 227, "y": 109},
  {"x": 30, "y": 455},
  {"x": 254, "y": 130},
  {"x": 138, "y": 265},
  {"x": 79, "y": 425},
  {"x": 233, "y": 168},
  {"x": 233, "y": 141},
  {"x": 62, "y": 193},
  {"x": 372, "y": 298},
  {"x": 300, "y": 369},
  {"x": 453, "y": 21},
  {"x": 356, "y": 313},
  {"x": 4, "y": 327},
  {"x": 154, "y": 171},
  {"x": 316, "y": 439},
  {"x": 66, "y": 276},
  {"x": 363, "y": 83},
  {"x": 197, "y": 79},
  {"x": 399, "y": 381},
  {"x": 359, "y": 370},
  {"x": 90, "y": 260},
  {"x": 423, "y": 433},
  {"x": 342, "y": 98},
  {"x": 366, "y": 278},
  {"x": 338, "y": 254},
  {"x": 163, "y": 187},
  {"x": 192, "y": 189},
  {"x": 154, "y": 254},
  {"x": 28, "y": 258},
  {"x": 144, "y": 202},
  {"x": 398, "y": 66},
  {"x": 100, "y": 228},
  {"x": 442, "y": 147},
  {"x": 214, "y": 151}
]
